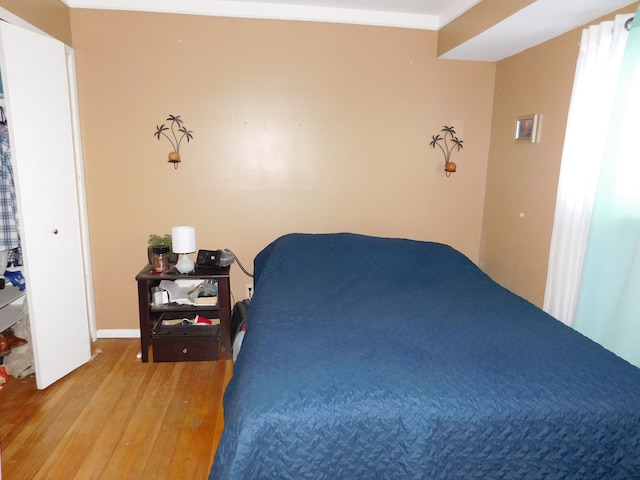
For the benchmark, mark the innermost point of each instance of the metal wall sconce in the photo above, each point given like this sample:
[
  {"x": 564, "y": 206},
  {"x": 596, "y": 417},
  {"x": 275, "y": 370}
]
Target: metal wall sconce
[
  {"x": 447, "y": 143},
  {"x": 175, "y": 140}
]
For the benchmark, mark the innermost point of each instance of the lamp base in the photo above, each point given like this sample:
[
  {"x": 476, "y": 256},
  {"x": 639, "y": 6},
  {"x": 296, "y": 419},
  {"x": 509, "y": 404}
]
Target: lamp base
[{"x": 185, "y": 264}]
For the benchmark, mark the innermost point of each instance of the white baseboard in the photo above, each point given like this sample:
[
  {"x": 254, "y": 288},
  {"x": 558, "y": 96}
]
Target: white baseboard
[{"x": 119, "y": 333}]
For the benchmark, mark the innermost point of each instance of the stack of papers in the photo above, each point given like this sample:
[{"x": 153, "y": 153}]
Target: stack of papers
[{"x": 183, "y": 291}]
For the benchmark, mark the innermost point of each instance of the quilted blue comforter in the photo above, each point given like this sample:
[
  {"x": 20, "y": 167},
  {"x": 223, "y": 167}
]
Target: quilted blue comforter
[{"x": 371, "y": 358}]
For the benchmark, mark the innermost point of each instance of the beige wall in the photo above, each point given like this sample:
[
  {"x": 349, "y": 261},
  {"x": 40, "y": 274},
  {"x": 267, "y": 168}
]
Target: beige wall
[
  {"x": 50, "y": 16},
  {"x": 307, "y": 127},
  {"x": 522, "y": 178},
  {"x": 298, "y": 126}
]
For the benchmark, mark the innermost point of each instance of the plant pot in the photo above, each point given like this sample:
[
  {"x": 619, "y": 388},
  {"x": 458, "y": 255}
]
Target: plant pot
[{"x": 161, "y": 258}]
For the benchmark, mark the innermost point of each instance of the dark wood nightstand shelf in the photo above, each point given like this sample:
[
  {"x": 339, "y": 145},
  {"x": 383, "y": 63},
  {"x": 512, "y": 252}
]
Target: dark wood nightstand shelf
[{"x": 183, "y": 343}]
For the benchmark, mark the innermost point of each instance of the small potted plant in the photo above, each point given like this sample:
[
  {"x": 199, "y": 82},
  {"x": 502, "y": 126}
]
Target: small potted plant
[{"x": 446, "y": 147}]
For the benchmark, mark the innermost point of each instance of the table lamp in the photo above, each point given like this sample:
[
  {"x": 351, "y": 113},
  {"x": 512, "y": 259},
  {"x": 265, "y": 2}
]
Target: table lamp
[{"x": 183, "y": 240}]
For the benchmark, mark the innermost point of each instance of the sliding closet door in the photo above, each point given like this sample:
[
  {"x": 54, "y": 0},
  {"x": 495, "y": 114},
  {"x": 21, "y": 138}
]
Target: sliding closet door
[{"x": 37, "y": 94}]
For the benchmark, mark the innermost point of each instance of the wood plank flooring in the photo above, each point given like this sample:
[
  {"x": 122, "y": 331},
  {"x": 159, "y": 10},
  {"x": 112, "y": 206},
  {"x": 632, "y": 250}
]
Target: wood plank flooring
[{"x": 115, "y": 418}]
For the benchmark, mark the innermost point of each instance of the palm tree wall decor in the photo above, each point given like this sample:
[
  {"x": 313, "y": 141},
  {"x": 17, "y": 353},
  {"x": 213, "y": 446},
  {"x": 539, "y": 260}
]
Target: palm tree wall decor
[
  {"x": 174, "y": 137},
  {"x": 447, "y": 143}
]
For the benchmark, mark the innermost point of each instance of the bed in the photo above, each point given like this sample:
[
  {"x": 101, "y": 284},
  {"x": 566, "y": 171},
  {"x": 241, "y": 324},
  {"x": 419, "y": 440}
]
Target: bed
[{"x": 379, "y": 358}]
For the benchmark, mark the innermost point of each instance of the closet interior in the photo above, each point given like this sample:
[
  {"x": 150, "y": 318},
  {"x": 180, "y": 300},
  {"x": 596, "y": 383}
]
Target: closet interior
[{"x": 16, "y": 356}]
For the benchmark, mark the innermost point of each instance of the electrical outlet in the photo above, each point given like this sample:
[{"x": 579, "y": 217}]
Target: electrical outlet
[{"x": 248, "y": 290}]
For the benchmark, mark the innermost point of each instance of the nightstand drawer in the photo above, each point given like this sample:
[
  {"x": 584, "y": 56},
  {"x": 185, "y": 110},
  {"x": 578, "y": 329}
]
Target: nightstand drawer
[{"x": 182, "y": 343}]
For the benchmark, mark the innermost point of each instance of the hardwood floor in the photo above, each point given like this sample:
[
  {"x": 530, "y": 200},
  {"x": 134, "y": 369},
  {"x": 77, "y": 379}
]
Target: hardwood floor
[{"x": 115, "y": 418}]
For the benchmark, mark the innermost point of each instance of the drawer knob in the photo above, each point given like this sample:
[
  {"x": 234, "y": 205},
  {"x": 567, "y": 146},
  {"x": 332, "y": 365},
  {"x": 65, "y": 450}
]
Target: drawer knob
[{"x": 184, "y": 350}]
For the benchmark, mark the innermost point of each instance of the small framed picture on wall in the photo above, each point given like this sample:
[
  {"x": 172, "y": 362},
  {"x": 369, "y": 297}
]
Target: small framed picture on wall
[{"x": 527, "y": 128}]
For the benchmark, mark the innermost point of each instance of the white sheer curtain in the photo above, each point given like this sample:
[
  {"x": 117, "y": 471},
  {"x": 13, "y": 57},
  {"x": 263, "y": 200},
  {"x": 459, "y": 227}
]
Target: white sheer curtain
[
  {"x": 608, "y": 308},
  {"x": 597, "y": 72}
]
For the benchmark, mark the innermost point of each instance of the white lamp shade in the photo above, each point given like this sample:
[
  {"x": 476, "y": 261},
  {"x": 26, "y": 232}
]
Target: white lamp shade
[{"x": 183, "y": 239}]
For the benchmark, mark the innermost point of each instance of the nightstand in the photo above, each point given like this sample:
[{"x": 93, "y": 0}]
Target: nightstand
[{"x": 183, "y": 343}]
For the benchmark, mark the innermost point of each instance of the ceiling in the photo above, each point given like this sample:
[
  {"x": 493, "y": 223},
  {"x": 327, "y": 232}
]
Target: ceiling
[{"x": 538, "y": 22}]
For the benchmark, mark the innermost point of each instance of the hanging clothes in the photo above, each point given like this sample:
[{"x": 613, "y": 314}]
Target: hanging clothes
[{"x": 9, "y": 226}]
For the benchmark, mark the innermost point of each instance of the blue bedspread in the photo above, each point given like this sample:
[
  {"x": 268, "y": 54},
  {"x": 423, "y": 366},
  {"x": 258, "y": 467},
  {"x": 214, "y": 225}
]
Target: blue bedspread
[{"x": 370, "y": 358}]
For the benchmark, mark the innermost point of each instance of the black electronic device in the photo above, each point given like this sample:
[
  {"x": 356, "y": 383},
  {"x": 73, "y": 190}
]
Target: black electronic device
[{"x": 214, "y": 258}]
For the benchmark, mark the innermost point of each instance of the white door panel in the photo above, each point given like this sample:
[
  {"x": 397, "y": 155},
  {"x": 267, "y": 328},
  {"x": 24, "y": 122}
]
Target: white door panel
[{"x": 36, "y": 86}]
